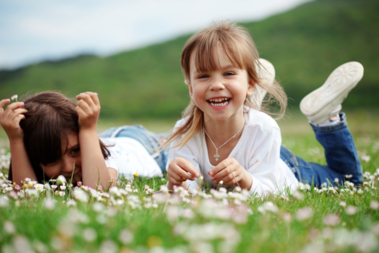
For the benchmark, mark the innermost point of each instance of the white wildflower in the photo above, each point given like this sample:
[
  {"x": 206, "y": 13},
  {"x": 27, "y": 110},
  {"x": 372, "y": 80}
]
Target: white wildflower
[
  {"x": 304, "y": 213},
  {"x": 32, "y": 193},
  {"x": 108, "y": 246},
  {"x": 298, "y": 195},
  {"x": 98, "y": 207},
  {"x": 331, "y": 220},
  {"x": 4, "y": 201},
  {"x": 22, "y": 244},
  {"x": 287, "y": 217},
  {"x": 49, "y": 203},
  {"x": 39, "y": 187},
  {"x": 125, "y": 236},
  {"x": 89, "y": 234},
  {"x": 9, "y": 227},
  {"x": 14, "y": 97},
  {"x": 71, "y": 202},
  {"x": 351, "y": 210},
  {"x": 61, "y": 180},
  {"x": 374, "y": 204},
  {"x": 268, "y": 206},
  {"x": 80, "y": 195}
]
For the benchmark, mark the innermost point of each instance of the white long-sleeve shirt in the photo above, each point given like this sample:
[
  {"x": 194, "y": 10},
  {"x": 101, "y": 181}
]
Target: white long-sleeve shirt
[
  {"x": 128, "y": 156},
  {"x": 258, "y": 151}
]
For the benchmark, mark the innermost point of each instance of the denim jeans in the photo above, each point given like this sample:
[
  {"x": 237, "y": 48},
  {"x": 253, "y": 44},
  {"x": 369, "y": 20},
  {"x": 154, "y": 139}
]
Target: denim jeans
[
  {"x": 148, "y": 139},
  {"x": 340, "y": 153}
]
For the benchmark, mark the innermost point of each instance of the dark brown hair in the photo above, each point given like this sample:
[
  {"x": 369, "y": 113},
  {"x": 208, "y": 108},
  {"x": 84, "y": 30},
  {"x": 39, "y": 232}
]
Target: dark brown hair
[{"x": 51, "y": 117}]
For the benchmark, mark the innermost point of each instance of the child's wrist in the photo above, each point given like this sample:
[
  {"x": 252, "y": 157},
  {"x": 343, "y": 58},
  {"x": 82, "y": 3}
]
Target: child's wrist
[
  {"x": 247, "y": 181},
  {"x": 16, "y": 141},
  {"x": 88, "y": 131}
]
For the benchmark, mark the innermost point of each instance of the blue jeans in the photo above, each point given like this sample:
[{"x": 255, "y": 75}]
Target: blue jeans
[
  {"x": 149, "y": 140},
  {"x": 340, "y": 153}
]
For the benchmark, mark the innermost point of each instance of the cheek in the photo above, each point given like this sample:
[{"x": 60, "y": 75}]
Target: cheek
[
  {"x": 78, "y": 162},
  {"x": 198, "y": 93},
  {"x": 51, "y": 171}
]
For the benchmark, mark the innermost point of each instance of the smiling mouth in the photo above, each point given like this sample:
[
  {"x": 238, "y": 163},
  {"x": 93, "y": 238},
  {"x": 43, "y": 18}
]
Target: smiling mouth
[{"x": 218, "y": 101}]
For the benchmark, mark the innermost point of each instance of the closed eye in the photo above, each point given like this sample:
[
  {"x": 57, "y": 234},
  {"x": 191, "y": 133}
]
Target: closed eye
[
  {"x": 203, "y": 76},
  {"x": 229, "y": 74}
]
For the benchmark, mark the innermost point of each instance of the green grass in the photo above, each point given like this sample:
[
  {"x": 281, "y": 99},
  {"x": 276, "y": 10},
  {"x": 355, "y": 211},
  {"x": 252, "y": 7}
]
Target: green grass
[{"x": 193, "y": 224}]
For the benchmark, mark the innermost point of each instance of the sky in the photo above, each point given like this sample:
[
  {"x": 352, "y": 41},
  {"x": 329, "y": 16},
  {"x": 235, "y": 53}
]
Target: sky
[{"x": 36, "y": 30}]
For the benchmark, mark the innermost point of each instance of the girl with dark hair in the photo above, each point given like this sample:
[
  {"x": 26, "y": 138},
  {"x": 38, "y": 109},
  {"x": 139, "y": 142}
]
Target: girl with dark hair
[{"x": 51, "y": 135}]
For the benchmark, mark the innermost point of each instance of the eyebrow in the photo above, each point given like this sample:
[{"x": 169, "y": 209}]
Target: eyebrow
[
  {"x": 222, "y": 68},
  {"x": 71, "y": 148}
]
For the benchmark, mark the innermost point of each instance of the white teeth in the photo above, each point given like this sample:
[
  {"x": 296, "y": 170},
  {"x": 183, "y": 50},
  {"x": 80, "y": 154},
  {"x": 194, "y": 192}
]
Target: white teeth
[
  {"x": 219, "y": 104},
  {"x": 218, "y": 100}
]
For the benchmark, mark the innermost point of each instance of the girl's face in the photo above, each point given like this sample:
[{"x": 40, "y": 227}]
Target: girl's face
[
  {"x": 220, "y": 94},
  {"x": 70, "y": 158}
]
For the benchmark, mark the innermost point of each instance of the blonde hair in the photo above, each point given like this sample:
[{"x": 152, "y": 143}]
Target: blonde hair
[{"x": 239, "y": 46}]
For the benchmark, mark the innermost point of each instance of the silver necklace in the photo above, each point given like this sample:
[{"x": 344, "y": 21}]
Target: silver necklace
[{"x": 216, "y": 156}]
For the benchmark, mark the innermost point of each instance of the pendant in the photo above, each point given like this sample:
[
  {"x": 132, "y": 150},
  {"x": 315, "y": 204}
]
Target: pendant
[{"x": 216, "y": 155}]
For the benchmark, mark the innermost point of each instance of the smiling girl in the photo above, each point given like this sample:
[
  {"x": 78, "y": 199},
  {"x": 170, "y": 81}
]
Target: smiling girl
[
  {"x": 226, "y": 135},
  {"x": 51, "y": 135}
]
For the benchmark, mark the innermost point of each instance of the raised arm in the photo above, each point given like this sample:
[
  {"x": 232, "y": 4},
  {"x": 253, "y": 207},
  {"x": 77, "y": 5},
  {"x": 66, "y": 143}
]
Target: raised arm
[
  {"x": 94, "y": 169},
  {"x": 10, "y": 121}
]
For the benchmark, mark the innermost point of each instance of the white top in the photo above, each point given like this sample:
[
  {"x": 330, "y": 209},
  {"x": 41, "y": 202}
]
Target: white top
[
  {"x": 128, "y": 156},
  {"x": 258, "y": 151}
]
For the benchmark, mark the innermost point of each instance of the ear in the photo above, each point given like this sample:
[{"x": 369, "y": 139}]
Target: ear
[
  {"x": 190, "y": 91},
  {"x": 250, "y": 88}
]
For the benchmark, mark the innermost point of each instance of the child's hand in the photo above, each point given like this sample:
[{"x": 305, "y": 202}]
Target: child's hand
[
  {"x": 179, "y": 170},
  {"x": 10, "y": 118},
  {"x": 88, "y": 109},
  {"x": 230, "y": 172}
]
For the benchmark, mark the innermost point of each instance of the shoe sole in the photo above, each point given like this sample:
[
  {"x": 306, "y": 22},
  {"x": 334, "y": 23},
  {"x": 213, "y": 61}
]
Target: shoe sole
[
  {"x": 317, "y": 105},
  {"x": 266, "y": 72}
]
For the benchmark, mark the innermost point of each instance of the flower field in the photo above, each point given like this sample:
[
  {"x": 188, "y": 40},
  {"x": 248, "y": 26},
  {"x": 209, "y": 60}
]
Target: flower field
[{"x": 139, "y": 215}]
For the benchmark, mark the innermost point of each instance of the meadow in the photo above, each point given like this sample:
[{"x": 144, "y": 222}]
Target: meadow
[{"x": 140, "y": 216}]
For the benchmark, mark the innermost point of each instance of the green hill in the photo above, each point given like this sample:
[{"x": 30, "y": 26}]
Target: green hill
[{"x": 304, "y": 44}]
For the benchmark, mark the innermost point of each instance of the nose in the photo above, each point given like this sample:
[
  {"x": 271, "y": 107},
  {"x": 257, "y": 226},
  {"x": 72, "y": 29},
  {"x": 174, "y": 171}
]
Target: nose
[
  {"x": 217, "y": 83},
  {"x": 67, "y": 166}
]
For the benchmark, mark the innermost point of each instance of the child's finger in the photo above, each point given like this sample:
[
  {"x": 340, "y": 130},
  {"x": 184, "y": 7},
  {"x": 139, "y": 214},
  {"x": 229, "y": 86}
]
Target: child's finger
[
  {"x": 15, "y": 105},
  {"x": 88, "y": 97},
  {"x": 83, "y": 105},
  {"x": 219, "y": 167},
  {"x": 221, "y": 174},
  {"x": 175, "y": 173},
  {"x": 4, "y": 102},
  {"x": 85, "y": 98},
  {"x": 188, "y": 168},
  {"x": 179, "y": 173},
  {"x": 95, "y": 97},
  {"x": 231, "y": 179},
  {"x": 19, "y": 111},
  {"x": 8, "y": 112},
  {"x": 80, "y": 112},
  {"x": 173, "y": 180},
  {"x": 17, "y": 119}
]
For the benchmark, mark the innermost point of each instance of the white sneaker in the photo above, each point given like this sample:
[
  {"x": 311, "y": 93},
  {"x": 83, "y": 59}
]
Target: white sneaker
[
  {"x": 318, "y": 105},
  {"x": 266, "y": 72}
]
